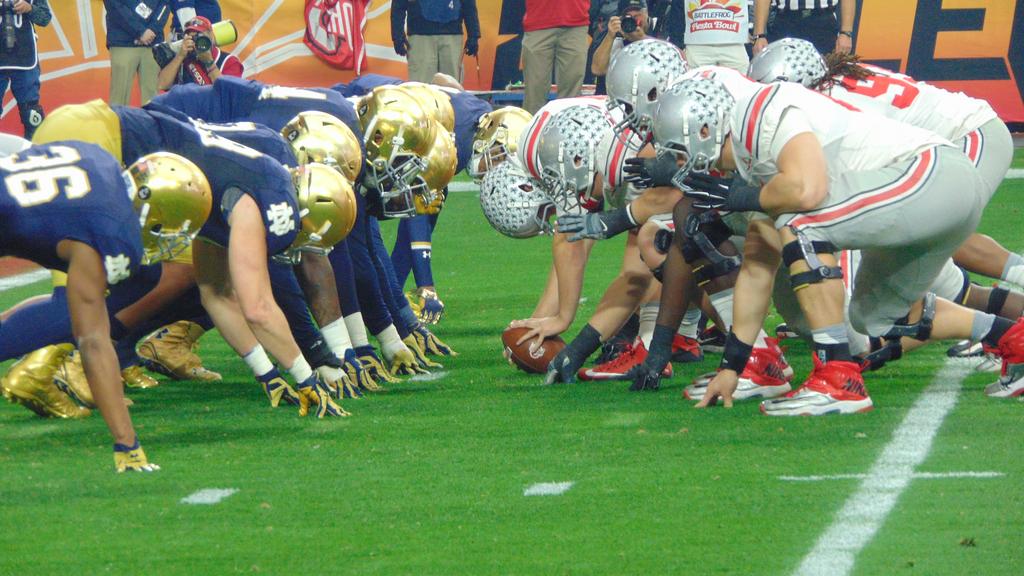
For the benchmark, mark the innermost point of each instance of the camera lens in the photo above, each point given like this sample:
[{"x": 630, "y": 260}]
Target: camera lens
[
  {"x": 203, "y": 44},
  {"x": 628, "y": 24}
]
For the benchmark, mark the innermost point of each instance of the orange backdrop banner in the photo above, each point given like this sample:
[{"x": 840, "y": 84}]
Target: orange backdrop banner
[{"x": 976, "y": 46}]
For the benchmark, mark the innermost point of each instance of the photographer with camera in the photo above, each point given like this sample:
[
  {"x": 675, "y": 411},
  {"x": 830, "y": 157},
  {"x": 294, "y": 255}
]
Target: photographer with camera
[
  {"x": 195, "y": 59},
  {"x": 628, "y": 27},
  {"x": 19, "y": 59}
]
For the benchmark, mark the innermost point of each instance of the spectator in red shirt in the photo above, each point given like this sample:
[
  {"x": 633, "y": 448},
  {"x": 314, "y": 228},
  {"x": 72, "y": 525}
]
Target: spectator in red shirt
[
  {"x": 554, "y": 32},
  {"x": 192, "y": 66}
]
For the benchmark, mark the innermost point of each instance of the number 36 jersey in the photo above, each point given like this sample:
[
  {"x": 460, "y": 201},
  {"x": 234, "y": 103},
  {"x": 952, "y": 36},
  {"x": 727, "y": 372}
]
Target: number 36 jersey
[{"x": 68, "y": 191}]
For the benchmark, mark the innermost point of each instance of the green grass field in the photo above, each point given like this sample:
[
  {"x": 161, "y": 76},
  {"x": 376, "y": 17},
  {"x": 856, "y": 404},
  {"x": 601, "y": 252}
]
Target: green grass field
[{"x": 429, "y": 477}]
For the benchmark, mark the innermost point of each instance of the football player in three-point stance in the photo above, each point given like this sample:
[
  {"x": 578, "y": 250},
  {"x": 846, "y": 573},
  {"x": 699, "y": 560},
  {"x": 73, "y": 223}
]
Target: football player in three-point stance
[{"x": 67, "y": 206}]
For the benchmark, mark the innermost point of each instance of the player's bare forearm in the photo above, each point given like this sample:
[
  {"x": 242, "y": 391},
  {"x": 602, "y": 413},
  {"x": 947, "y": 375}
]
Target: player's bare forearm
[
  {"x": 654, "y": 201},
  {"x": 548, "y": 303},
  {"x": 570, "y": 260},
  {"x": 316, "y": 276},
  {"x": 762, "y": 253},
  {"x": 91, "y": 328},
  {"x": 175, "y": 279},
  {"x": 624, "y": 294},
  {"x": 802, "y": 181}
]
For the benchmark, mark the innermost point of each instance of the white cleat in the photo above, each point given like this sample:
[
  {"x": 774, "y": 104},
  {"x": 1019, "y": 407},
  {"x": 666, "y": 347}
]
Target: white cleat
[{"x": 1009, "y": 385}]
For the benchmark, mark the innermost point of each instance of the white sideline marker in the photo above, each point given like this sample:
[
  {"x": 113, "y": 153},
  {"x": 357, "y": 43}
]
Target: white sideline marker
[
  {"x": 865, "y": 511},
  {"x": 915, "y": 476},
  {"x": 548, "y": 489},
  {"x": 429, "y": 377},
  {"x": 208, "y": 496}
]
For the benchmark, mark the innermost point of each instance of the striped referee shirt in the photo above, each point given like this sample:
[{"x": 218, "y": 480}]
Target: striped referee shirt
[{"x": 792, "y": 5}]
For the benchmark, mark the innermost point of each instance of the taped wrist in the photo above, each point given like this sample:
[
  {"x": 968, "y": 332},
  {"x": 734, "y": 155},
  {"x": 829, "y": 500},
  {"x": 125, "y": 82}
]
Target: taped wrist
[
  {"x": 660, "y": 352},
  {"x": 736, "y": 354},
  {"x": 584, "y": 344},
  {"x": 743, "y": 197}
]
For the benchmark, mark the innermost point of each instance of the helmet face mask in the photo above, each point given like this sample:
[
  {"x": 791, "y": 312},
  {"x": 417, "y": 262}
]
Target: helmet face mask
[
  {"x": 514, "y": 203},
  {"x": 496, "y": 139},
  {"x": 173, "y": 200},
  {"x": 569, "y": 156},
  {"x": 692, "y": 123},
  {"x": 398, "y": 134}
]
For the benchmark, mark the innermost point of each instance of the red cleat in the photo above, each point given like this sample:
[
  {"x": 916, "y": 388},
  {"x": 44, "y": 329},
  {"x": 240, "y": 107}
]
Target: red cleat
[
  {"x": 620, "y": 367},
  {"x": 766, "y": 375},
  {"x": 686, "y": 349},
  {"x": 832, "y": 388}
]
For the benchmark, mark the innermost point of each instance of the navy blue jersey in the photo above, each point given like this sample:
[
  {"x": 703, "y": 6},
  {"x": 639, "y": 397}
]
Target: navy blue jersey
[
  {"x": 231, "y": 169},
  {"x": 68, "y": 191},
  {"x": 468, "y": 110},
  {"x": 364, "y": 84}
]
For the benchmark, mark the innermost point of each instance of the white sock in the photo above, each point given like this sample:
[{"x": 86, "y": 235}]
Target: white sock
[
  {"x": 759, "y": 342},
  {"x": 1014, "y": 270},
  {"x": 390, "y": 343},
  {"x": 357, "y": 330},
  {"x": 300, "y": 370},
  {"x": 688, "y": 327},
  {"x": 722, "y": 302},
  {"x": 648, "y": 314},
  {"x": 336, "y": 335},
  {"x": 258, "y": 361}
]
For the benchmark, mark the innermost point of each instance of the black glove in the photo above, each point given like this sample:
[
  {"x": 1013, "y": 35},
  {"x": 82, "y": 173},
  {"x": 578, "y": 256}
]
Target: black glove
[
  {"x": 713, "y": 193},
  {"x": 401, "y": 45},
  {"x": 651, "y": 172},
  {"x": 472, "y": 46},
  {"x": 596, "y": 225},
  {"x": 564, "y": 365},
  {"x": 647, "y": 376}
]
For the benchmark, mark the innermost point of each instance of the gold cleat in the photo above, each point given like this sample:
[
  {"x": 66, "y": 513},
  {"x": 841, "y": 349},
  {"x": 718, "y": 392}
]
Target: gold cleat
[
  {"x": 171, "y": 350},
  {"x": 29, "y": 382},
  {"x": 70, "y": 379},
  {"x": 134, "y": 377}
]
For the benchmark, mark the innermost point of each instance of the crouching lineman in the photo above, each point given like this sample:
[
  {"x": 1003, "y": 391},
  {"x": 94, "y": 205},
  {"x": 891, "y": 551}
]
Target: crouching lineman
[
  {"x": 67, "y": 206},
  {"x": 835, "y": 179}
]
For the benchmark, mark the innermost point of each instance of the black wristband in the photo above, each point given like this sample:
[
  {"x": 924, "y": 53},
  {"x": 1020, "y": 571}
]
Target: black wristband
[
  {"x": 585, "y": 343},
  {"x": 660, "y": 352},
  {"x": 736, "y": 354},
  {"x": 743, "y": 197}
]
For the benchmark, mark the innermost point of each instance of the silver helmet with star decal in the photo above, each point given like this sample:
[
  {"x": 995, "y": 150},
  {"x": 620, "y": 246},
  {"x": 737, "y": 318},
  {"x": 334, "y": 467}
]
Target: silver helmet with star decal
[
  {"x": 788, "y": 60},
  {"x": 692, "y": 122},
  {"x": 636, "y": 78},
  {"x": 568, "y": 154},
  {"x": 514, "y": 203}
]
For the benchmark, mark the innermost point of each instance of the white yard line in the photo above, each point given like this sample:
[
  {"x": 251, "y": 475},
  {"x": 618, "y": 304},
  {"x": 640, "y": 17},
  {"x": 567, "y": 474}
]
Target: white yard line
[
  {"x": 23, "y": 279},
  {"x": 1015, "y": 173},
  {"x": 915, "y": 476},
  {"x": 429, "y": 377},
  {"x": 866, "y": 510},
  {"x": 208, "y": 496},
  {"x": 547, "y": 489}
]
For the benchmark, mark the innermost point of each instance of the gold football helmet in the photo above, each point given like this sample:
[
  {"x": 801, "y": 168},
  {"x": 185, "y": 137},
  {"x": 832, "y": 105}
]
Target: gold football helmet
[
  {"x": 497, "y": 138},
  {"x": 398, "y": 134},
  {"x": 429, "y": 188},
  {"x": 320, "y": 137},
  {"x": 327, "y": 206},
  {"x": 173, "y": 200},
  {"x": 435, "y": 101}
]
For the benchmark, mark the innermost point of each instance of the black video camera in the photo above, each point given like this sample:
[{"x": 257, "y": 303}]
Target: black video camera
[{"x": 7, "y": 28}]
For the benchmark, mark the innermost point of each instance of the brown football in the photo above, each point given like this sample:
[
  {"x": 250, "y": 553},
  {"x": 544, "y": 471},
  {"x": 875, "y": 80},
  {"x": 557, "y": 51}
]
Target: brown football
[{"x": 521, "y": 357}]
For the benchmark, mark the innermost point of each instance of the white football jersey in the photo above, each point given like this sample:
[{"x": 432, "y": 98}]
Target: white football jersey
[
  {"x": 951, "y": 115},
  {"x": 737, "y": 84},
  {"x": 763, "y": 123}
]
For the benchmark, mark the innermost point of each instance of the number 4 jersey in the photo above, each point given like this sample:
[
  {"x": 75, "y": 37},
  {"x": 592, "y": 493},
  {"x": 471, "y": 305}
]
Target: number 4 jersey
[{"x": 68, "y": 191}]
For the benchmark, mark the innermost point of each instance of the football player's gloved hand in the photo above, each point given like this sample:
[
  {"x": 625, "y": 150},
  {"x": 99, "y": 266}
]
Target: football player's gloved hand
[
  {"x": 430, "y": 343},
  {"x": 645, "y": 378},
  {"x": 277, "y": 389},
  {"x": 313, "y": 392},
  {"x": 373, "y": 366},
  {"x": 338, "y": 382},
  {"x": 418, "y": 353},
  {"x": 132, "y": 459},
  {"x": 708, "y": 192},
  {"x": 404, "y": 362},
  {"x": 426, "y": 305},
  {"x": 563, "y": 368},
  {"x": 651, "y": 172},
  {"x": 357, "y": 374},
  {"x": 596, "y": 225}
]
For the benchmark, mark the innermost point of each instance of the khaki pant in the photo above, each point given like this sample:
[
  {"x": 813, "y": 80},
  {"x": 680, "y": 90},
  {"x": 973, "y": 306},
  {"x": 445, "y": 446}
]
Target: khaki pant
[
  {"x": 429, "y": 55},
  {"x": 542, "y": 50},
  {"x": 125, "y": 63},
  {"x": 726, "y": 55}
]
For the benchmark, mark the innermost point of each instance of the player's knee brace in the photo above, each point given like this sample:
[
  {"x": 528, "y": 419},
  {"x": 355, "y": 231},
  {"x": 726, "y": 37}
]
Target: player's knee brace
[
  {"x": 996, "y": 300},
  {"x": 807, "y": 250},
  {"x": 920, "y": 330},
  {"x": 704, "y": 233}
]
